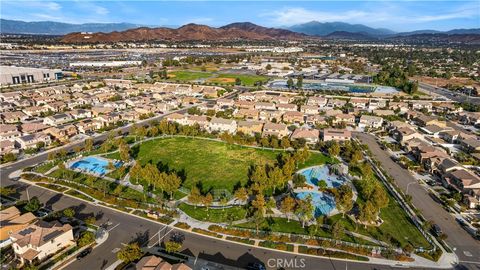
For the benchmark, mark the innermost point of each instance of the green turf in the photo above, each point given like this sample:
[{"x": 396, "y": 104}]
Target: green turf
[
  {"x": 295, "y": 227},
  {"x": 188, "y": 75},
  {"x": 215, "y": 165},
  {"x": 214, "y": 215},
  {"x": 396, "y": 229}
]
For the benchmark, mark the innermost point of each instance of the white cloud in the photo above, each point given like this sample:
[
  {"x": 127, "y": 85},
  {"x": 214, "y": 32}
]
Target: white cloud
[{"x": 384, "y": 12}]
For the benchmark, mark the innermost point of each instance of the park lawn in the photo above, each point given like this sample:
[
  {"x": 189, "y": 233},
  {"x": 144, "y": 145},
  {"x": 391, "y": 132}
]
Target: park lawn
[
  {"x": 184, "y": 75},
  {"x": 213, "y": 164},
  {"x": 277, "y": 224},
  {"x": 46, "y": 166},
  {"x": 214, "y": 215},
  {"x": 247, "y": 80},
  {"x": 397, "y": 227}
]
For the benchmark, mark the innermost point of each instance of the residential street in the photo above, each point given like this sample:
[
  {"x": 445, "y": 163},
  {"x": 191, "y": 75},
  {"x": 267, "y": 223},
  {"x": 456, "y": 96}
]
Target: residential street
[{"x": 465, "y": 246}]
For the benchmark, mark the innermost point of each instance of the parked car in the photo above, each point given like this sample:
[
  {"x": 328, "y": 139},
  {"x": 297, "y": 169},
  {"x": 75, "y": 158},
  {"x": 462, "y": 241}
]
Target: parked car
[
  {"x": 84, "y": 253},
  {"x": 461, "y": 221},
  {"x": 436, "y": 230}
]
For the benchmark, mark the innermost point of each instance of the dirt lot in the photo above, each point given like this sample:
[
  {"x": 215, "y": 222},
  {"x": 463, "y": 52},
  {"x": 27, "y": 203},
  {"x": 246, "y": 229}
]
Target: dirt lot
[{"x": 443, "y": 82}]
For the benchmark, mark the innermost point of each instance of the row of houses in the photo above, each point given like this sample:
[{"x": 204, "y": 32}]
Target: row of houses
[{"x": 251, "y": 127}]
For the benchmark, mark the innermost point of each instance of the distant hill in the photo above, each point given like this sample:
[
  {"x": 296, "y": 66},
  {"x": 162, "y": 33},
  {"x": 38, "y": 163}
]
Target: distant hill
[
  {"x": 245, "y": 31},
  {"x": 315, "y": 28},
  {"x": 474, "y": 31},
  {"x": 57, "y": 28},
  {"x": 343, "y": 35},
  {"x": 471, "y": 39}
]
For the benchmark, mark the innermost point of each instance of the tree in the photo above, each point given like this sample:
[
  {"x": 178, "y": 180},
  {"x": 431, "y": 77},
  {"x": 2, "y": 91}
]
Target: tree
[
  {"x": 88, "y": 144},
  {"x": 258, "y": 219},
  {"x": 86, "y": 238},
  {"x": 368, "y": 213},
  {"x": 172, "y": 183},
  {"x": 356, "y": 156},
  {"x": 238, "y": 81},
  {"x": 241, "y": 194},
  {"x": 305, "y": 209},
  {"x": 337, "y": 230},
  {"x": 300, "y": 82},
  {"x": 285, "y": 143},
  {"x": 136, "y": 171},
  {"x": 195, "y": 197},
  {"x": 68, "y": 212},
  {"x": 124, "y": 151},
  {"x": 130, "y": 253},
  {"x": 6, "y": 191},
  {"x": 334, "y": 148},
  {"x": 259, "y": 203},
  {"x": 268, "y": 67},
  {"x": 287, "y": 206},
  {"x": 290, "y": 83},
  {"x": 90, "y": 220},
  {"x": 33, "y": 205},
  {"x": 207, "y": 200},
  {"x": 9, "y": 157},
  {"x": 344, "y": 199},
  {"x": 172, "y": 246}
]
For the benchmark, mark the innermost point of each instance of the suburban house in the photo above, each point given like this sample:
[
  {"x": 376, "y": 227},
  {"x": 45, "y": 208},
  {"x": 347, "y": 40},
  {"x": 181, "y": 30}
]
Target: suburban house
[
  {"x": 265, "y": 106},
  {"x": 427, "y": 120},
  {"x": 35, "y": 110},
  {"x": 274, "y": 129},
  {"x": 250, "y": 127},
  {"x": 57, "y": 119},
  {"x": 348, "y": 119},
  {"x": 156, "y": 263},
  {"x": 293, "y": 117},
  {"x": 201, "y": 120},
  {"x": 330, "y": 134},
  {"x": 14, "y": 117},
  {"x": 309, "y": 109},
  {"x": 12, "y": 220},
  {"x": 470, "y": 145},
  {"x": 88, "y": 125},
  {"x": 370, "y": 121},
  {"x": 463, "y": 179},
  {"x": 311, "y": 136},
  {"x": 32, "y": 127},
  {"x": 360, "y": 103},
  {"x": 286, "y": 107},
  {"x": 31, "y": 141},
  {"x": 223, "y": 125},
  {"x": 317, "y": 101},
  {"x": 270, "y": 115},
  {"x": 7, "y": 146},
  {"x": 177, "y": 118},
  {"x": 403, "y": 134},
  {"x": 62, "y": 133},
  {"x": 9, "y": 132},
  {"x": 80, "y": 113},
  {"x": 41, "y": 239},
  {"x": 246, "y": 114}
]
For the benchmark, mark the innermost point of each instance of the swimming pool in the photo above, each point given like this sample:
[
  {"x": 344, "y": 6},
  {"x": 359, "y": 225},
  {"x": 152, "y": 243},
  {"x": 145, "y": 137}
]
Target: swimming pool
[
  {"x": 94, "y": 165},
  {"x": 324, "y": 203},
  {"x": 314, "y": 174}
]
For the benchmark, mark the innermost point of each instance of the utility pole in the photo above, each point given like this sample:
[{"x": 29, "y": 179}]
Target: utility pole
[{"x": 28, "y": 195}]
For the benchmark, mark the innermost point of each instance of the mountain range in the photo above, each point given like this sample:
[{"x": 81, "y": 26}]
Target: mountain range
[
  {"x": 114, "y": 32},
  {"x": 234, "y": 31}
]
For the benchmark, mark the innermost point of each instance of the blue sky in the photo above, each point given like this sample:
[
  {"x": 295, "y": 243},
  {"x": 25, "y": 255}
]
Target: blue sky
[{"x": 399, "y": 15}]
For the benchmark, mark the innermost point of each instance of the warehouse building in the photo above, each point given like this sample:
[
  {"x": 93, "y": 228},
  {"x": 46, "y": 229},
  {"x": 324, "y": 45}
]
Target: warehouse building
[{"x": 18, "y": 75}]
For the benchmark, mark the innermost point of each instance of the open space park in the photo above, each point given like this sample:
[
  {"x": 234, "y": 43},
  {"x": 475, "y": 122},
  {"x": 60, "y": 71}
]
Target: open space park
[
  {"x": 214, "y": 164},
  {"x": 216, "y": 78}
]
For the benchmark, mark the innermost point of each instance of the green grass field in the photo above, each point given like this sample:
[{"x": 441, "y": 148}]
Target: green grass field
[
  {"x": 188, "y": 75},
  {"x": 248, "y": 80},
  {"x": 214, "y": 215},
  {"x": 216, "y": 165},
  {"x": 295, "y": 227}
]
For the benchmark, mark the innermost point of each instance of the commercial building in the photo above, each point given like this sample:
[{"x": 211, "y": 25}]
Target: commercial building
[{"x": 18, "y": 75}]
